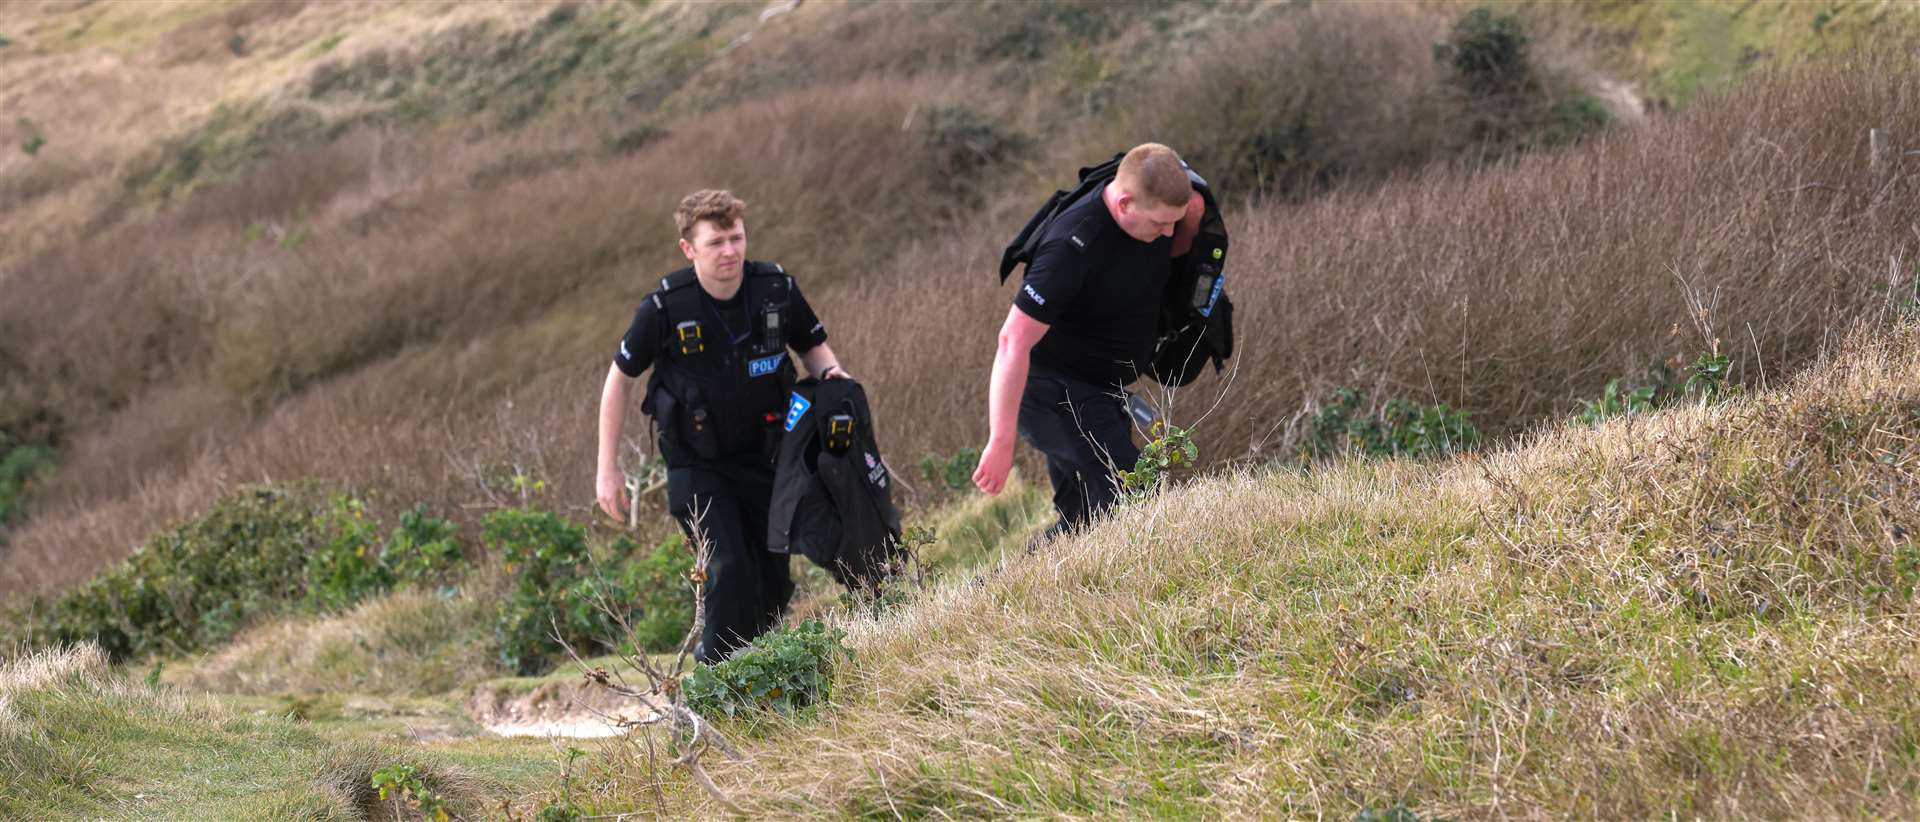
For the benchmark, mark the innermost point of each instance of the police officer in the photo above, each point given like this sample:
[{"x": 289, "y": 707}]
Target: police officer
[
  {"x": 1082, "y": 327},
  {"x": 716, "y": 335}
]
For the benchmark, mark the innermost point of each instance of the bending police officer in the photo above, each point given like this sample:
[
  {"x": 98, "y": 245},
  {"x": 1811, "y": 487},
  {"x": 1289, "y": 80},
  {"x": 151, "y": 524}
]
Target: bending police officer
[
  {"x": 1082, "y": 327},
  {"x": 716, "y": 336}
]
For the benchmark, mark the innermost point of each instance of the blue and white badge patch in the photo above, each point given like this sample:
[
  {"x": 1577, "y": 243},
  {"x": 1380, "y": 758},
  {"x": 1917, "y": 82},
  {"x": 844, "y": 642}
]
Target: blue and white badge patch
[
  {"x": 796, "y": 409},
  {"x": 765, "y": 365},
  {"x": 1219, "y": 285}
]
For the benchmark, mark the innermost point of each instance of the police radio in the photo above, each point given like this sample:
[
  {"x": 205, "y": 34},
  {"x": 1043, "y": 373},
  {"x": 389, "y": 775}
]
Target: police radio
[
  {"x": 1207, "y": 285},
  {"x": 775, "y": 338}
]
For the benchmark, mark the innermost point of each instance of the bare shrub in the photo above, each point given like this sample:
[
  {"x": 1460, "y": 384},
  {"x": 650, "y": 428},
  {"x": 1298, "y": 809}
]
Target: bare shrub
[
  {"x": 1508, "y": 292},
  {"x": 1302, "y": 97}
]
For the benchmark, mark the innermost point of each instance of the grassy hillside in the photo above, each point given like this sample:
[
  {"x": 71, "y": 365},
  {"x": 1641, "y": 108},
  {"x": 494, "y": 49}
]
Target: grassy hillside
[
  {"x": 374, "y": 238},
  {"x": 371, "y": 256},
  {"x": 1705, "y": 612}
]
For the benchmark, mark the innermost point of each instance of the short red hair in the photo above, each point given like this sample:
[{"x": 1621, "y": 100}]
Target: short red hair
[{"x": 1153, "y": 172}]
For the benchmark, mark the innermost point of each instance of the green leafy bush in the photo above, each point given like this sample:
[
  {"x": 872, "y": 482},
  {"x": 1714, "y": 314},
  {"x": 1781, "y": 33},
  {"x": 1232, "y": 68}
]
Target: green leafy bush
[
  {"x": 560, "y": 586},
  {"x": 785, "y": 671},
  {"x": 1487, "y": 53},
  {"x": 1508, "y": 101},
  {"x": 198, "y": 584},
  {"x": 1400, "y": 428},
  {"x": 255, "y": 554},
  {"x": 1571, "y": 118},
  {"x": 954, "y": 471},
  {"x": 659, "y": 593},
  {"x": 347, "y": 566},
  {"x": 1658, "y": 387},
  {"x": 1170, "y": 448},
  {"x": 422, "y": 547},
  {"x": 405, "y": 787},
  {"x": 1708, "y": 374},
  {"x": 1614, "y": 402}
]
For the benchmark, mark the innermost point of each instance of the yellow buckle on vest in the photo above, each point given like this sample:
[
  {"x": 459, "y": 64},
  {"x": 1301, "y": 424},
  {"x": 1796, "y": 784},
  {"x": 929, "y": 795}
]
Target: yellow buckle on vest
[{"x": 839, "y": 433}]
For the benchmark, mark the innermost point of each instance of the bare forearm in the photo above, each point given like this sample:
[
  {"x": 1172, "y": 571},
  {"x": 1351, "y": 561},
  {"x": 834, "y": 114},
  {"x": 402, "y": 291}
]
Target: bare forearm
[
  {"x": 613, "y": 410},
  {"x": 1009, "y": 382}
]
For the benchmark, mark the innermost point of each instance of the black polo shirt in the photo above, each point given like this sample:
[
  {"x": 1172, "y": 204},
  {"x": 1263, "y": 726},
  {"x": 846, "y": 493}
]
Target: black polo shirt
[{"x": 1098, "y": 290}]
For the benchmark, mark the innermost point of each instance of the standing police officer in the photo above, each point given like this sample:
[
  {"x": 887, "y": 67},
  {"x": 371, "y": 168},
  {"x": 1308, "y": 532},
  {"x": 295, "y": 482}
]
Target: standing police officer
[
  {"x": 1083, "y": 326},
  {"x": 716, "y": 335}
]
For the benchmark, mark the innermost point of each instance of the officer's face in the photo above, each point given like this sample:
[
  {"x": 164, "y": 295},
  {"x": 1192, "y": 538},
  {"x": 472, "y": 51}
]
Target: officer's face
[
  {"x": 717, "y": 253},
  {"x": 1147, "y": 221}
]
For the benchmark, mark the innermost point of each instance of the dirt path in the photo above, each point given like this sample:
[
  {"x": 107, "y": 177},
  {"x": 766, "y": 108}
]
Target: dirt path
[{"x": 556, "y": 709}]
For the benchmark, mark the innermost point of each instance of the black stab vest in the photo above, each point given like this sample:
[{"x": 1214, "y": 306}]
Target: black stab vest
[{"x": 711, "y": 396}]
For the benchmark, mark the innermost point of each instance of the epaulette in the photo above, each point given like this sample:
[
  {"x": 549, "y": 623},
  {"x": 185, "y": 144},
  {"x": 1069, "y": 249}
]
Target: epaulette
[
  {"x": 673, "y": 282},
  {"x": 1083, "y": 233}
]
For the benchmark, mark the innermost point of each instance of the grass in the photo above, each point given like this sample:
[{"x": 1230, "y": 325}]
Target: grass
[
  {"x": 1660, "y": 616},
  {"x": 972, "y": 529},
  {"x": 80, "y": 740},
  {"x": 1702, "y": 611},
  {"x": 410, "y": 642},
  {"x": 1683, "y": 49}
]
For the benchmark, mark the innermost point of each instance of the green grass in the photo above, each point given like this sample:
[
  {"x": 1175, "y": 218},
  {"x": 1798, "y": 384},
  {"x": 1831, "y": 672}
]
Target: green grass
[
  {"x": 83, "y": 741},
  {"x": 976, "y": 529},
  {"x": 1683, "y": 48}
]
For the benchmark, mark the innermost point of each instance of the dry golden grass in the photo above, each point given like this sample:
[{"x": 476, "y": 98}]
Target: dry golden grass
[
  {"x": 102, "y": 83},
  {"x": 1658, "y": 617}
]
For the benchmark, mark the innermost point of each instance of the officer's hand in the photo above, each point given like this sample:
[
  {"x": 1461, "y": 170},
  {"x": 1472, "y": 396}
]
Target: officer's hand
[
  {"x": 611, "y": 489},
  {"x": 996, "y": 461},
  {"x": 835, "y": 372}
]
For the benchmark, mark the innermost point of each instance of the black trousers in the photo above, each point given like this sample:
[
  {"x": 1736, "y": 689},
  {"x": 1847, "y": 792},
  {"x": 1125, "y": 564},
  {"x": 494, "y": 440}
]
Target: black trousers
[
  {"x": 747, "y": 586},
  {"x": 1086, "y": 434}
]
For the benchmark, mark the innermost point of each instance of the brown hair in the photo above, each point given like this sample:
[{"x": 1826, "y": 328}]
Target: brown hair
[
  {"x": 1153, "y": 172},
  {"x": 713, "y": 205}
]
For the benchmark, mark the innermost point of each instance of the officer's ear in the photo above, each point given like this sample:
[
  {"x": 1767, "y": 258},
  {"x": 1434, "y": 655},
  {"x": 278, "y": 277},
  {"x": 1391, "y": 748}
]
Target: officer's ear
[{"x": 686, "y": 248}]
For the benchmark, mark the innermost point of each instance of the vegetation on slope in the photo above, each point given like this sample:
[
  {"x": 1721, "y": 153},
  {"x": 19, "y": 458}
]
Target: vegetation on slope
[
  {"x": 1705, "y": 611},
  {"x": 364, "y": 265},
  {"x": 337, "y": 285},
  {"x": 78, "y": 740}
]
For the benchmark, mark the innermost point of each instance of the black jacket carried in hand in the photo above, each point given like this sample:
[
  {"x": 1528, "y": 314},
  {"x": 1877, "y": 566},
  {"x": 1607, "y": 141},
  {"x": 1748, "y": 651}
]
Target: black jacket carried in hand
[{"x": 832, "y": 494}]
